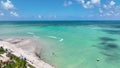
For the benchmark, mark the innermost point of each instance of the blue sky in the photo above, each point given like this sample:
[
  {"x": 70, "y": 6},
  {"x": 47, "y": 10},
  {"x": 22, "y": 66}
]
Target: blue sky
[{"x": 59, "y": 9}]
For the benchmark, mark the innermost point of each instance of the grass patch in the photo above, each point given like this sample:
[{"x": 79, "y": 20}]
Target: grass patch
[{"x": 2, "y": 51}]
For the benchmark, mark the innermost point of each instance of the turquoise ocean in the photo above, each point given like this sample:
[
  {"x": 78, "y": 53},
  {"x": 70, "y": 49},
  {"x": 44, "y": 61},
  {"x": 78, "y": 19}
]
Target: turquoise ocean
[{"x": 72, "y": 44}]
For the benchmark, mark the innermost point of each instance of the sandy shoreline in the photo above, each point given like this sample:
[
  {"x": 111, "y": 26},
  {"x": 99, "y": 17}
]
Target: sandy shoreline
[{"x": 19, "y": 48}]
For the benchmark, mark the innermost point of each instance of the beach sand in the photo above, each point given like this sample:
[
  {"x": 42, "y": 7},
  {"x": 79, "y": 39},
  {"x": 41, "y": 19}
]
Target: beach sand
[{"x": 25, "y": 47}]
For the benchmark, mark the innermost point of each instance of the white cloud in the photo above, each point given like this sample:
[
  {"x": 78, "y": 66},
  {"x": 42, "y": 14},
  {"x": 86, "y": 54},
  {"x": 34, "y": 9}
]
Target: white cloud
[
  {"x": 39, "y": 16},
  {"x": 45, "y": 17},
  {"x": 89, "y": 4},
  {"x": 95, "y": 1},
  {"x": 85, "y": 4},
  {"x": 68, "y": 3},
  {"x": 108, "y": 12},
  {"x": 14, "y": 14},
  {"x": 112, "y": 3},
  {"x": 7, "y": 5},
  {"x": 1, "y": 14},
  {"x": 100, "y": 10},
  {"x": 105, "y": 6}
]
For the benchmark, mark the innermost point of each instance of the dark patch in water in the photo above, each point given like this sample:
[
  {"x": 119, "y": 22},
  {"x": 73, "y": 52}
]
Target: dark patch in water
[
  {"x": 112, "y": 31},
  {"x": 110, "y": 26},
  {"x": 110, "y": 50},
  {"x": 103, "y": 43},
  {"x": 112, "y": 45},
  {"x": 115, "y": 26},
  {"x": 109, "y": 46},
  {"x": 106, "y": 46},
  {"x": 107, "y": 39}
]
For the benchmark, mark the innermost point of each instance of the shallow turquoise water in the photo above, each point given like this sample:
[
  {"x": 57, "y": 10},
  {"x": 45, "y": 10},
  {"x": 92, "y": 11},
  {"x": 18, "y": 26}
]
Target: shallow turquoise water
[{"x": 73, "y": 46}]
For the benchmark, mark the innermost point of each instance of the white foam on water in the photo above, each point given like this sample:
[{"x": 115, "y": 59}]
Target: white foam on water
[
  {"x": 33, "y": 34},
  {"x": 52, "y": 37},
  {"x": 61, "y": 39}
]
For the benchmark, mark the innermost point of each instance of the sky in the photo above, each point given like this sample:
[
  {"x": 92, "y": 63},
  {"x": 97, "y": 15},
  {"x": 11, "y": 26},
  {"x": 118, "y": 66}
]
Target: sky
[{"x": 59, "y": 9}]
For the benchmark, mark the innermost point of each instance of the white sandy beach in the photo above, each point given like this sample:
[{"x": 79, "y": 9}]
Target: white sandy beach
[{"x": 19, "y": 48}]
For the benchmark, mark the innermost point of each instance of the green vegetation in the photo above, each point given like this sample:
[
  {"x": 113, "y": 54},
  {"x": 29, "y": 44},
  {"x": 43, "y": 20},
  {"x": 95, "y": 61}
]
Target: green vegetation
[
  {"x": 15, "y": 62},
  {"x": 2, "y": 51},
  {"x": 9, "y": 65},
  {"x": 19, "y": 63}
]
